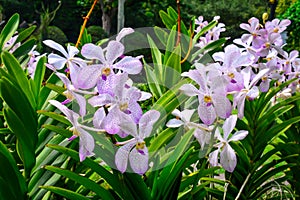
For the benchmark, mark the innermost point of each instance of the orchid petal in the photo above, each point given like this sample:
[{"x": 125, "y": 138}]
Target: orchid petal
[
  {"x": 89, "y": 76},
  {"x": 71, "y": 115},
  {"x": 213, "y": 158},
  {"x": 123, "y": 33},
  {"x": 126, "y": 124},
  {"x": 57, "y": 61},
  {"x": 129, "y": 65},
  {"x": 206, "y": 113},
  {"x": 239, "y": 135},
  {"x": 86, "y": 144},
  {"x": 121, "y": 157},
  {"x": 114, "y": 50},
  {"x": 56, "y": 46},
  {"x": 82, "y": 104},
  {"x": 229, "y": 125},
  {"x": 98, "y": 118},
  {"x": 147, "y": 121},
  {"x": 91, "y": 51},
  {"x": 174, "y": 123},
  {"x": 138, "y": 161},
  {"x": 101, "y": 100},
  {"x": 189, "y": 90},
  {"x": 228, "y": 158}
]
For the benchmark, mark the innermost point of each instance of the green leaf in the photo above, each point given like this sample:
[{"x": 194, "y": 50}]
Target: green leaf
[
  {"x": 87, "y": 183},
  {"x": 161, "y": 34},
  {"x": 18, "y": 102},
  {"x": 172, "y": 13},
  {"x": 12, "y": 183},
  {"x": 59, "y": 130},
  {"x": 56, "y": 116},
  {"x": 168, "y": 21},
  {"x": 173, "y": 68},
  {"x": 65, "y": 193},
  {"x": 153, "y": 81},
  {"x": 38, "y": 77},
  {"x": 24, "y": 49},
  {"x": 26, "y": 140},
  {"x": 111, "y": 179},
  {"x": 170, "y": 43},
  {"x": 9, "y": 30},
  {"x": 209, "y": 26},
  {"x": 17, "y": 72},
  {"x": 25, "y": 33}
]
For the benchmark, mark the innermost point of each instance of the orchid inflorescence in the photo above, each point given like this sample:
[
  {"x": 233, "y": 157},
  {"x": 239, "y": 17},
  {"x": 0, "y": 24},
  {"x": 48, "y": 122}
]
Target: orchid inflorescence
[{"x": 100, "y": 78}]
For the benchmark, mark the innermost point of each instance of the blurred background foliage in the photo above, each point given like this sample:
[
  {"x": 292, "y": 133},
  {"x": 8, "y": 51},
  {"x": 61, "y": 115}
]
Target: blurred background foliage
[{"x": 67, "y": 19}]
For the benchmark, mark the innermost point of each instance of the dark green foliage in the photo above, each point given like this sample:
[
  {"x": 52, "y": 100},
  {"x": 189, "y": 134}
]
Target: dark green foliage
[
  {"x": 97, "y": 33},
  {"x": 56, "y": 34},
  {"x": 292, "y": 13}
]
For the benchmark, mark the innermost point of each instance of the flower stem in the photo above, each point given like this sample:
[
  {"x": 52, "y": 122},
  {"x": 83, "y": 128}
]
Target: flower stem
[{"x": 86, "y": 18}]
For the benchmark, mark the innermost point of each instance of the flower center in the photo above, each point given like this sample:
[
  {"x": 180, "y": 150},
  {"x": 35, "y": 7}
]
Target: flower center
[
  {"x": 207, "y": 99},
  {"x": 275, "y": 30},
  {"x": 75, "y": 131},
  {"x": 140, "y": 145},
  {"x": 68, "y": 94},
  {"x": 106, "y": 71},
  {"x": 123, "y": 106}
]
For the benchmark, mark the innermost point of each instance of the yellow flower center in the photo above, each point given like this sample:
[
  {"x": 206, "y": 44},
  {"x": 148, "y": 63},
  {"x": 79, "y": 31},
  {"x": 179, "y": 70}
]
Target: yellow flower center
[
  {"x": 123, "y": 106},
  {"x": 140, "y": 145},
  {"x": 207, "y": 99},
  {"x": 231, "y": 75},
  {"x": 106, "y": 71},
  {"x": 68, "y": 94}
]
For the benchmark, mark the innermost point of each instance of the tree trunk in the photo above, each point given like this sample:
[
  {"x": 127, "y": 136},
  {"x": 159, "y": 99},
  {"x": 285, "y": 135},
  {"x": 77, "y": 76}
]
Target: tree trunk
[
  {"x": 108, "y": 12},
  {"x": 121, "y": 16}
]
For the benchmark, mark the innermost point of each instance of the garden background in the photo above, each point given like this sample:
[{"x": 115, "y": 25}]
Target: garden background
[{"x": 40, "y": 160}]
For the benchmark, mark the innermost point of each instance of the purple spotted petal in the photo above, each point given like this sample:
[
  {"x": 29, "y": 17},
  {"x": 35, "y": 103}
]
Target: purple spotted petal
[
  {"x": 71, "y": 115},
  {"x": 121, "y": 157},
  {"x": 135, "y": 111},
  {"x": 91, "y": 51},
  {"x": 98, "y": 118},
  {"x": 101, "y": 100},
  {"x": 147, "y": 121},
  {"x": 222, "y": 105},
  {"x": 139, "y": 161},
  {"x": 56, "y": 46},
  {"x": 57, "y": 61},
  {"x": 213, "y": 158},
  {"x": 89, "y": 76},
  {"x": 123, "y": 33},
  {"x": 127, "y": 125},
  {"x": 129, "y": 65},
  {"x": 86, "y": 144},
  {"x": 228, "y": 158},
  {"x": 206, "y": 113},
  {"x": 112, "y": 121},
  {"x": 114, "y": 50}
]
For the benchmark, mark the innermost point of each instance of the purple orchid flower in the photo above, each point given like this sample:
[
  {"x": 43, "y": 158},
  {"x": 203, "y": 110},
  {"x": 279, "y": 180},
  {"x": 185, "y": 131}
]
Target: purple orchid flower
[
  {"x": 57, "y": 62},
  {"x": 227, "y": 155},
  {"x": 123, "y": 99},
  {"x": 202, "y": 132},
  {"x": 86, "y": 141},
  {"x": 102, "y": 73},
  {"x": 230, "y": 66},
  {"x": 250, "y": 91},
  {"x": 211, "y": 94},
  {"x": 72, "y": 93},
  {"x": 136, "y": 150}
]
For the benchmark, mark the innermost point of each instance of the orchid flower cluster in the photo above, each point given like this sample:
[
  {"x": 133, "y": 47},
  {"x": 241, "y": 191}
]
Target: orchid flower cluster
[
  {"x": 240, "y": 73},
  {"x": 99, "y": 77},
  {"x": 103, "y": 76}
]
